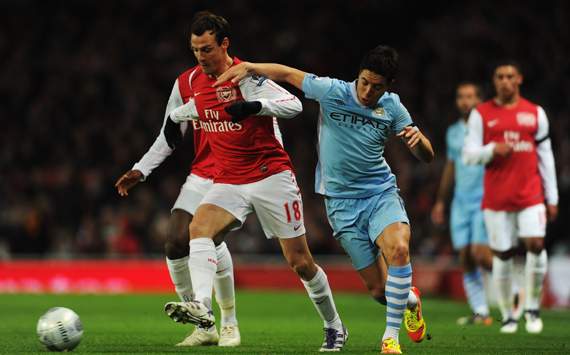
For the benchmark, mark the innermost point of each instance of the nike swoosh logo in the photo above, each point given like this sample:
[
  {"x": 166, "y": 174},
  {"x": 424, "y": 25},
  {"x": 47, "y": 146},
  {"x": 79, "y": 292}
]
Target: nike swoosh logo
[
  {"x": 297, "y": 227},
  {"x": 492, "y": 123}
]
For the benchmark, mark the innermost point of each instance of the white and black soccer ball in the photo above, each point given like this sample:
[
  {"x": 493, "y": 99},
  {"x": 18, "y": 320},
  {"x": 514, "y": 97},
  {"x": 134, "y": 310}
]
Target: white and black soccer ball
[{"x": 60, "y": 329}]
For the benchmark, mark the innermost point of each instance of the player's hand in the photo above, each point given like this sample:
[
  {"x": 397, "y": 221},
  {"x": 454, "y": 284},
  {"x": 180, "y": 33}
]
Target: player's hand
[
  {"x": 502, "y": 150},
  {"x": 127, "y": 181},
  {"x": 438, "y": 213},
  {"x": 551, "y": 212},
  {"x": 172, "y": 133},
  {"x": 411, "y": 135},
  {"x": 235, "y": 73},
  {"x": 243, "y": 109}
]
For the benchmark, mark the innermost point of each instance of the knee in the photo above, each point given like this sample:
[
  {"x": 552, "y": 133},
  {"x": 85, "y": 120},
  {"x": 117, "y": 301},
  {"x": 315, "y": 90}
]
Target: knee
[
  {"x": 399, "y": 253},
  {"x": 197, "y": 229},
  {"x": 177, "y": 239},
  {"x": 477, "y": 257},
  {"x": 504, "y": 255},
  {"x": 304, "y": 267},
  {"x": 535, "y": 246}
]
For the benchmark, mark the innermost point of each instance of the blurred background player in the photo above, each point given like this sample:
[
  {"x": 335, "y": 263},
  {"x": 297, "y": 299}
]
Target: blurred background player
[
  {"x": 176, "y": 247},
  {"x": 363, "y": 206},
  {"x": 511, "y": 136},
  {"x": 467, "y": 227},
  {"x": 253, "y": 173}
]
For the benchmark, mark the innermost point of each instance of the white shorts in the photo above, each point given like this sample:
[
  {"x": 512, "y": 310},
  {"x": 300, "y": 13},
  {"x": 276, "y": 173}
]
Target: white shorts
[
  {"x": 504, "y": 228},
  {"x": 276, "y": 200},
  {"x": 192, "y": 193}
]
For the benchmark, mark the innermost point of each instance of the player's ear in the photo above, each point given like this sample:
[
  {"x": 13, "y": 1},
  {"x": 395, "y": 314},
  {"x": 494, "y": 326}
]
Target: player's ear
[{"x": 225, "y": 43}]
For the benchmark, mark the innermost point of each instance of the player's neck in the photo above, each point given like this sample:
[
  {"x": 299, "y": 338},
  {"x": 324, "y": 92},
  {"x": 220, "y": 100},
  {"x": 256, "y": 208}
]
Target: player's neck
[
  {"x": 508, "y": 102},
  {"x": 228, "y": 62}
]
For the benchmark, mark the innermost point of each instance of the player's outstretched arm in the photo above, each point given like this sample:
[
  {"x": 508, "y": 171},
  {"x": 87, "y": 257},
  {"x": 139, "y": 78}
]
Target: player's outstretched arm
[
  {"x": 275, "y": 72},
  {"x": 418, "y": 144},
  {"x": 158, "y": 151}
]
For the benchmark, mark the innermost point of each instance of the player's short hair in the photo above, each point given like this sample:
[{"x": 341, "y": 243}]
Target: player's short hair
[
  {"x": 382, "y": 60},
  {"x": 206, "y": 21},
  {"x": 477, "y": 87},
  {"x": 503, "y": 62}
]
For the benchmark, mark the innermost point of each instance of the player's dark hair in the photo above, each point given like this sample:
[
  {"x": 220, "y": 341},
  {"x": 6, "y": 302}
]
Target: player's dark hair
[
  {"x": 478, "y": 90},
  {"x": 206, "y": 21},
  {"x": 507, "y": 62},
  {"x": 382, "y": 60}
]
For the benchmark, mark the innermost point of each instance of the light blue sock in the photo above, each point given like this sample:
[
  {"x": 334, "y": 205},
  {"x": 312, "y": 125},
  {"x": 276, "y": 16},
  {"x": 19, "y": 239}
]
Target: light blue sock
[
  {"x": 475, "y": 291},
  {"x": 397, "y": 290}
]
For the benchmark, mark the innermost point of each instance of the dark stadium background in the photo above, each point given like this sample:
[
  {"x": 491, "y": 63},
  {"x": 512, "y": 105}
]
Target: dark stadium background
[{"x": 84, "y": 85}]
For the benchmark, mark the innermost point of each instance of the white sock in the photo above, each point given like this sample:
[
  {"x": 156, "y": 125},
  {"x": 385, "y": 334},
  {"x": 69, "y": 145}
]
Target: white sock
[
  {"x": 502, "y": 277},
  {"x": 203, "y": 263},
  {"x": 535, "y": 269},
  {"x": 224, "y": 285},
  {"x": 180, "y": 276},
  {"x": 320, "y": 293}
]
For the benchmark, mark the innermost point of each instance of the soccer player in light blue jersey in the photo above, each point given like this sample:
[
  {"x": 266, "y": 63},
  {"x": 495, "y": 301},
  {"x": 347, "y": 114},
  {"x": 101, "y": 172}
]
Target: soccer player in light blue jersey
[
  {"x": 467, "y": 227},
  {"x": 362, "y": 201}
]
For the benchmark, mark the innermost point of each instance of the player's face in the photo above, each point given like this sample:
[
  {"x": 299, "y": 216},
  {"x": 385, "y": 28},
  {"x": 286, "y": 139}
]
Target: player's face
[
  {"x": 466, "y": 98},
  {"x": 370, "y": 87},
  {"x": 507, "y": 81},
  {"x": 210, "y": 55}
]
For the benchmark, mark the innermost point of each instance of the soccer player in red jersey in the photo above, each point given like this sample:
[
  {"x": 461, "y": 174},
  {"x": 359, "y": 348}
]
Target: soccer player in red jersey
[
  {"x": 191, "y": 193},
  {"x": 253, "y": 173},
  {"x": 509, "y": 134}
]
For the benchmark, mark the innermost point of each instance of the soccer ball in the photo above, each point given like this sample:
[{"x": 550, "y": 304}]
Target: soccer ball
[{"x": 60, "y": 329}]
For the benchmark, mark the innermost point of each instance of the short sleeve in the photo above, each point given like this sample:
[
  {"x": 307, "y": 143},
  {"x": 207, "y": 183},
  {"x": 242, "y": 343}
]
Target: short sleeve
[
  {"x": 400, "y": 116},
  {"x": 316, "y": 87}
]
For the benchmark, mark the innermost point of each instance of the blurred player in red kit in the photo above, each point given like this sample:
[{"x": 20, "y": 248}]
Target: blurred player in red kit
[{"x": 509, "y": 135}]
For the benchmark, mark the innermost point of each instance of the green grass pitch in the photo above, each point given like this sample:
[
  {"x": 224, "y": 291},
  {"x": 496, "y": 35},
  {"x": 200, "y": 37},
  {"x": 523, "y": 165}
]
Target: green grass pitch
[{"x": 270, "y": 323}]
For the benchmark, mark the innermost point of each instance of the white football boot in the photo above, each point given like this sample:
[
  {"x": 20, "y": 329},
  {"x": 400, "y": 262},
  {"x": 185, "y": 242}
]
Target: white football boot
[
  {"x": 190, "y": 312},
  {"x": 510, "y": 326},
  {"x": 533, "y": 322},
  {"x": 229, "y": 336},
  {"x": 201, "y": 337}
]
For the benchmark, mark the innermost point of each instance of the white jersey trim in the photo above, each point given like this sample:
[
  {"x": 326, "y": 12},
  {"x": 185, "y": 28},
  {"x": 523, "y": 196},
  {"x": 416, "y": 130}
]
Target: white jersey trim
[{"x": 546, "y": 165}]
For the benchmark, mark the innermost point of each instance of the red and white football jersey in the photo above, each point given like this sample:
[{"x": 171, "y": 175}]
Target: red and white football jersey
[
  {"x": 514, "y": 182},
  {"x": 249, "y": 150},
  {"x": 203, "y": 163}
]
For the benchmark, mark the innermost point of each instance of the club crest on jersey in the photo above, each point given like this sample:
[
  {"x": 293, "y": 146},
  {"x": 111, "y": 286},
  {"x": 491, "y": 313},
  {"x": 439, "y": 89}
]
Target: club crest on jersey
[
  {"x": 526, "y": 119},
  {"x": 379, "y": 111},
  {"x": 226, "y": 93}
]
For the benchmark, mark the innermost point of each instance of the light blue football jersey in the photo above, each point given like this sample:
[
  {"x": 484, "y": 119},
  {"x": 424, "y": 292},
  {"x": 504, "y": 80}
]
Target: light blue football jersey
[
  {"x": 468, "y": 178},
  {"x": 351, "y": 138}
]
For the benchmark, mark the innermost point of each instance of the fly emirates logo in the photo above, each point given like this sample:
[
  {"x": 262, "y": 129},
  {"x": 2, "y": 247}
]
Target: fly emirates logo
[
  {"x": 214, "y": 125},
  {"x": 512, "y": 138}
]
